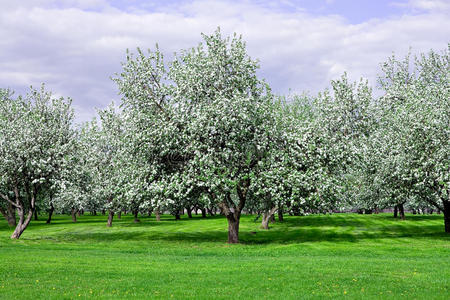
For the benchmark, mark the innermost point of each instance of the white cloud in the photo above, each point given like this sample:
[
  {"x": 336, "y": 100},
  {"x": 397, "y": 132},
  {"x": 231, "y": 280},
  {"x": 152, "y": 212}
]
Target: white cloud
[
  {"x": 426, "y": 5},
  {"x": 75, "y": 46}
]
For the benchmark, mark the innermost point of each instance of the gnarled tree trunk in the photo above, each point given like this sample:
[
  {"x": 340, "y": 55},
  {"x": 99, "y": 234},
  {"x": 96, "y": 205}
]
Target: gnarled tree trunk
[
  {"x": 203, "y": 212},
  {"x": 189, "y": 212},
  {"x": 395, "y": 211},
  {"x": 233, "y": 228},
  {"x": 24, "y": 220},
  {"x": 233, "y": 212},
  {"x": 267, "y": 216}
]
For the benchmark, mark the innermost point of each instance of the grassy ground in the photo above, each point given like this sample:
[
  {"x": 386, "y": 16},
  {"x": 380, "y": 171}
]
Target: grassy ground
[{"x": 338, "y": 256}]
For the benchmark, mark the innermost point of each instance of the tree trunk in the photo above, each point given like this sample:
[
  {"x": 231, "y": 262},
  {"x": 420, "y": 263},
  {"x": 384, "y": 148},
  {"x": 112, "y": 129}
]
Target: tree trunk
[
  {"x": 280, "y": 214},
  {"x": 267, "y": 216},
  {"x": 135, "y": 213},
  {"x": 149, "y": 213},
  {"x": 94, "y": 212},
  {"x": 272, "y": 218},
  {"x": 447, "y": 216},
  {"x": 10, "y": 215},
  {"x": 50, "y": 213},
  {"x": 103, "y": 212},
  {"x": 177, "y": 215},
  {"x": 414, "y": 212},
  {"x": 189, "y": 212},
  {"x": 110, "y": 218},
  {"x": 368, "y": 211},
  {"x": 23, "y": 222},
  {"x": 233, "y": 229},
  {"x": 211, "y": 213},
  {"x": 203, "y": 212},
  {"x": 74, "y": 215},
  {"x": 157, "y": 214},
  {"x": 402, "y": 211},
  {"x": 395, "y": 211},
  {"x": 119, "y": 215},
  {"x": 265, "y": 221},
  {"x": 36, "y": 215}
]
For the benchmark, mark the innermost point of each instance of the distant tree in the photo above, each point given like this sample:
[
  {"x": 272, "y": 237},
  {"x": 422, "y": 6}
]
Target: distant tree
[{"x": 414, "y": 132}]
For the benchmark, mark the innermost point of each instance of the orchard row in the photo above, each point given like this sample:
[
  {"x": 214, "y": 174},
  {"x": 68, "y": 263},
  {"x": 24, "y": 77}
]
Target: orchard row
[{"x": 204, "y": 131}]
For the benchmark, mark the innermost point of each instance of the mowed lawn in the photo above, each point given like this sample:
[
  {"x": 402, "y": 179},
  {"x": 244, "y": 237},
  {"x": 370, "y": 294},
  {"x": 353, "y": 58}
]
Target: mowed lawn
[{"x": 319, "y": 256}]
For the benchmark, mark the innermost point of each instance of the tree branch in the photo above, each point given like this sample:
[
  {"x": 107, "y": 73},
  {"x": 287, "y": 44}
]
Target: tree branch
[{"x": 6, "y": 198}]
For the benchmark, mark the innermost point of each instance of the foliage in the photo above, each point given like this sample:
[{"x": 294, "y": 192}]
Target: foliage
[{"x": 35, "y": 137}]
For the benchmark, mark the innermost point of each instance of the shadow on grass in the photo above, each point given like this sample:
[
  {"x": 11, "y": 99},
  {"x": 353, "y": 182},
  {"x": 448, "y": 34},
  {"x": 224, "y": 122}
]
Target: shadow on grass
[
  {"x": 314, "y": 228},
  {"x": 294, "y": 230},
  {"x": 246, "y": 237},
  {"x": 126, "y": 220}
]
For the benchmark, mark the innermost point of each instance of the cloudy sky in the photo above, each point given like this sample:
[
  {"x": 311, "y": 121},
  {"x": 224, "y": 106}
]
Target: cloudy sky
[{"x": 75, "y": 46}]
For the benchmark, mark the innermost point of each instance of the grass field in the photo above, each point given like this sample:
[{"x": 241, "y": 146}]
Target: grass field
[{"x": 337, "y": 256}]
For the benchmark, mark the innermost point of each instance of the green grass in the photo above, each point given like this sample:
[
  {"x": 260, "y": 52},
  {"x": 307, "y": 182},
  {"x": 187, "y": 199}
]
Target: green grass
[{"x": 333, "y": 256}]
